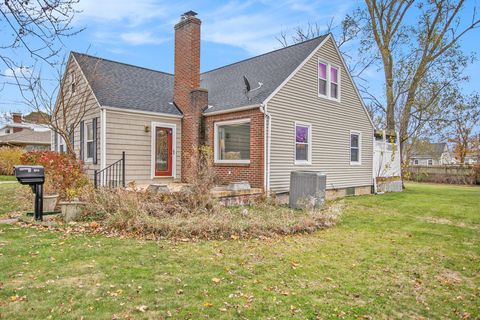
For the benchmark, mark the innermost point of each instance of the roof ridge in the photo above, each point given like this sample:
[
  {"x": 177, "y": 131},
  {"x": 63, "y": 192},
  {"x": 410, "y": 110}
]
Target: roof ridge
[
  {"x": 263, "y": 54},
  {"x": 119, "y": 62}
]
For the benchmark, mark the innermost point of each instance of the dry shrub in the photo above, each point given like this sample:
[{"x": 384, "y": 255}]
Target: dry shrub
[
  {"x": 9, "y": 156},
  {"x": 194, "y": 213},
  {"x": 169, "y": 216}
]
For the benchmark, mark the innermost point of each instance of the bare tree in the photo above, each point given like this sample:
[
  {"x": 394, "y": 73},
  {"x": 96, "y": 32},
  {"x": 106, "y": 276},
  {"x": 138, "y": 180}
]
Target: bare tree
[
  {"x": 63, "y": 107},
  {"x": 419, "y": 48},
  {"x": 463, "y": 123},
  {"x": 36, "y": 27}
]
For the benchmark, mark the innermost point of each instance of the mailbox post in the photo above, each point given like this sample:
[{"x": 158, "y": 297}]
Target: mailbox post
[{"x": 34, "y": 176}]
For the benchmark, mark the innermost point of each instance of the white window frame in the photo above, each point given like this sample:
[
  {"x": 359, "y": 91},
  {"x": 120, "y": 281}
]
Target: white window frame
[
  {"x": 359, "y": 133},
  {"x": 430, "y": 162},
  {"x": 73, "y": 83},
  {"x": 415, "y": 162},
  {"x": 153, "y": 131},
  {"x": 310, "y": 142},
  {"x": 85, "y": 138},
  {"x": 339, "y": 80},
  {"x": 61, "y": 143},
  {"x": 216, "y": 147}
]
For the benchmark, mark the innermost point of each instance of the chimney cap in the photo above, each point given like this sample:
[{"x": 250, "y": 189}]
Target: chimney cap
[{"x": 189, "y": 14}]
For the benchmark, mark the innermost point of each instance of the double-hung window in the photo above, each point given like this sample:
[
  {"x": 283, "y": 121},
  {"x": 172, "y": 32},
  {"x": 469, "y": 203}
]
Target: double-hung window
[
  {"x": 73, "y": 84},
  {"x": 355, "y": 148},
  {"x": 303, "y": 143},
  {"x": 328, "y": 81},
  {"x": 232, "y": 141},
  {"x": 61, "y": 144},
  {"x": 89, "y": 142}
]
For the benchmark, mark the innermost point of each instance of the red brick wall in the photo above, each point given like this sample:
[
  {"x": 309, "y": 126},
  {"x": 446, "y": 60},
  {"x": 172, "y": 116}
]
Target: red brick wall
[
  {"x": 187, "y": 96},
  {"x": 252, "y": 172}
]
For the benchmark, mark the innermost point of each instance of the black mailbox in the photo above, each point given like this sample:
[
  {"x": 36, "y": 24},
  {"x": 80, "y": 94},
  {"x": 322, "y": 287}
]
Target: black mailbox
[{"x": 34, "y": 176}]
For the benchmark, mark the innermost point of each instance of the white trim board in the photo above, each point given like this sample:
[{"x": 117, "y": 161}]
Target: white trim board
[
  {"x": 238, "y": 109},
  {"x": 149, "y": 113}
]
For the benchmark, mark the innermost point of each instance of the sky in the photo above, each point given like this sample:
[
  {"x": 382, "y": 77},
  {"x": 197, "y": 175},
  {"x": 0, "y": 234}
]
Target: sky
[{"x": 140, "y": 32}]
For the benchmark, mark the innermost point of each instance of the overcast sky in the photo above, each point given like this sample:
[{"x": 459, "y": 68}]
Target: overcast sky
[{"x": 140, "y": 32}]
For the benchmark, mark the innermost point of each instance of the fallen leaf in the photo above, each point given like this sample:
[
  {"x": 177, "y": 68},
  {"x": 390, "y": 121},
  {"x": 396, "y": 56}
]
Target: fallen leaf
[
  {"x": 141, "y": 308},
  {"x": 216, "y": 280},
  {"x": 207, "y": 305}
]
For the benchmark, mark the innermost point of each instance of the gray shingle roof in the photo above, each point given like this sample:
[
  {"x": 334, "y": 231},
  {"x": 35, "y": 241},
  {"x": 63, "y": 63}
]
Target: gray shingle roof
[
  {"x": 428, "y": 150},
  {"x": 226, "y": 88},
  {"x": 27, "y": 137},
  {"x": 121, "y": 85}
]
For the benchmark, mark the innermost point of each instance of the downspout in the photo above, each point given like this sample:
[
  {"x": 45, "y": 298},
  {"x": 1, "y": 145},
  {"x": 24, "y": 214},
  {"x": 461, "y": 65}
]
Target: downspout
[{"x": 267, "y": 120}]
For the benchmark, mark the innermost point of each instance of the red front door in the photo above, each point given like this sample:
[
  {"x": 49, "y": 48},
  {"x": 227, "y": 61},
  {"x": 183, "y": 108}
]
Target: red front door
[{"x": 163, "y": 152}]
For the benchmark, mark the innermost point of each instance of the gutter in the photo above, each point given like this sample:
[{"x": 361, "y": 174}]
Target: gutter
[
  {"x": 151, "y": 113},
  {"x": 253, "y": 106}
]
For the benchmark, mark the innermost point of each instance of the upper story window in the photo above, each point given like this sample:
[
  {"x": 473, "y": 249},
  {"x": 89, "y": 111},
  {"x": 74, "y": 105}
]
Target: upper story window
[
  {"x": 430, "y": 162},
  {"x": 72, "y": 83},
  {"x": 232, "y": 141},
  {"x": 303, "y": 143},
  {"x": 328, "y": 81},
  {"x": 355, "y": 147}
]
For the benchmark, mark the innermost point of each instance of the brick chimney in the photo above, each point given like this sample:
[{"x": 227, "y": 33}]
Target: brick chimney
[
  {"x": 17, "y": 117},
  {"x": 187, "y": 94}
]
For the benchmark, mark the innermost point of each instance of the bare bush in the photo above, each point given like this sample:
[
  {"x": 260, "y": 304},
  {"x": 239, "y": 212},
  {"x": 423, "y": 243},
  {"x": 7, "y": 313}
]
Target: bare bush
[{"x": 194, "y": 213}]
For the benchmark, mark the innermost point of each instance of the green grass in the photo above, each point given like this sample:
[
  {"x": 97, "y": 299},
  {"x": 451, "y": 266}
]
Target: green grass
[
  {"x": 8, "y": 198},
  {"x": 409, "y": 255},
  {"x": 7, "y": 178}
]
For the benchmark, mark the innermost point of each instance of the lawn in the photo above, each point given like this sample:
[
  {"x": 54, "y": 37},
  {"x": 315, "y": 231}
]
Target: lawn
[
  {"x": 8, "y": 202},
  {"x": 409, "y": 255},
  {"x": 7, "y": 178}
]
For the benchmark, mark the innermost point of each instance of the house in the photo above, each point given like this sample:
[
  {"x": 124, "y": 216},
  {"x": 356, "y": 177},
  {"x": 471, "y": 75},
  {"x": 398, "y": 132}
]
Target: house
[
  {"x": 20, "y": 123},
  {"x": 295, "y": 108},
  {"x": 28, "y": 135},
  {"x": 431, "y": 154},
  {"x": 27, "y": 139}
]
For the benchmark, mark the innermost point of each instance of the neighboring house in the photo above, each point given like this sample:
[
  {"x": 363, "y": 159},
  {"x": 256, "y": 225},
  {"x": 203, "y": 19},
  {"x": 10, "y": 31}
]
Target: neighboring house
[
  {"x": 19, "y": 123},
  {"x": 471, "y": 158},
  {"x": 28, "y": 139},
  {"x": 431, "y": 154},
  {"x": 295, "y": 108},
  {"x": 27, "y": 135}
]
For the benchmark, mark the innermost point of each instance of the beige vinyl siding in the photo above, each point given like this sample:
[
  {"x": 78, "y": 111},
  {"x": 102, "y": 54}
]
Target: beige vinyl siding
[
  {"x": 125, "y": 131},
  {"x": 92, "y": 110},
  {"x": 331, "y": 123}
]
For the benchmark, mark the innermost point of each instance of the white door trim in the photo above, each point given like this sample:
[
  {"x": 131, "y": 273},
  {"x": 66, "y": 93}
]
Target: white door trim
[{"x": 172, "y": 126}]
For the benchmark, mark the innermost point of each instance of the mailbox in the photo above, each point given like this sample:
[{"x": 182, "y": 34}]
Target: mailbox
[{"x": 34, "y": 176}]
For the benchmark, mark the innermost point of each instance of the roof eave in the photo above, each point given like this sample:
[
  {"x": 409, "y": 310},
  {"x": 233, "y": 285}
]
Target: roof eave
[{"x": 237, "y": 109}]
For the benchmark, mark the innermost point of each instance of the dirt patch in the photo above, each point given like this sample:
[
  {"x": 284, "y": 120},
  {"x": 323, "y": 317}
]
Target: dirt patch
[
  {"x": 446, "y": 221},
  {"x": 449, "y": 277}
]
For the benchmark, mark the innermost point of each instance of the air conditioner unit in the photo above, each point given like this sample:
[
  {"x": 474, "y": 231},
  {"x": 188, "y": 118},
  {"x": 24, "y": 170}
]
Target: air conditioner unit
[{"x": 307, "y": 189}]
